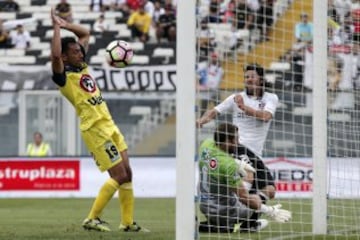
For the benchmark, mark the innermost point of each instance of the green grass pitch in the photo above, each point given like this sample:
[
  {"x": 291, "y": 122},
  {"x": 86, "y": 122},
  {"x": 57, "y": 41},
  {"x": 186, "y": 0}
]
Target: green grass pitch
[{"x": 55, "y": 219}]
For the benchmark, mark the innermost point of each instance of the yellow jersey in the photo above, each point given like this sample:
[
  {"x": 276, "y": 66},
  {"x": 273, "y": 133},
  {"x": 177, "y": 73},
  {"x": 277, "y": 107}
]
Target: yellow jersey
[
  {"x": 84, "y": 94},
  {"x": 142, "y": 21}
]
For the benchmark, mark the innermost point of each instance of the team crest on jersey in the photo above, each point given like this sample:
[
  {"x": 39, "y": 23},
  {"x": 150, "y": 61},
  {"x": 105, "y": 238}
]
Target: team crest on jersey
[
  {"x": 261, "y": 105},
  {"x": 87, "y": 83},
  {"x": 213, "y": 163}
]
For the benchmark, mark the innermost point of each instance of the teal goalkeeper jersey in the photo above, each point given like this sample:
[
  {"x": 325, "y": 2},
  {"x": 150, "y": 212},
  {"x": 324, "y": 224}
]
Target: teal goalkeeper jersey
[{"x": 218, "y": 170}]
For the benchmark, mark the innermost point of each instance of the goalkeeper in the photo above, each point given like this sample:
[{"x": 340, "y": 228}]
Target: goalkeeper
[{"x": 224, "y": 199}]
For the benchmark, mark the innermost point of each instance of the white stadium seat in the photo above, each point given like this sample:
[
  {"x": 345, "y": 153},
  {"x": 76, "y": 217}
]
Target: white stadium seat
[
  {"x": 23, "y": 3},
  {"x": 279, "y": 66},
  {"x": 40, "y": 45},
  {"x": 35, "y": 40},
  {"x": 41, "y": 15},
  {"x": 140, "y": 110},
  {"x": 8, "y": 15},
  {"x": 110, "y": 15},
  {"x": 271, "y": 78},
  {"x": 163, "y": 52},
  {"x": 140, "y": 59},
  {"x": 36, "y": 9},
  {"x": 137, "y": 46},
  {"x": 45, "y": 53},
  {"x": 15, "y": 52},
  {"x": 223, "y": 27},
  {"x": 18, "y": 60},
  {"x": 79, "y": 8},
  {"x": 117, "y": 27},
  {"x": 97, "y": 59},
  {"x": 86, "y": 15},
  {"x": 64, "y": 33},
  {"x": 339, "y": 117},
  {"x": 101, "y": 52},
  {"x": 124, "y": 33}
]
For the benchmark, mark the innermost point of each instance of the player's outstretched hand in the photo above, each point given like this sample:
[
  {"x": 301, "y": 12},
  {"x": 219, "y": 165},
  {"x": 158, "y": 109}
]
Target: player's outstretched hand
[
  {"x": 278, "y": 214},
  {"x": 244, "y": 165},
  {"x": 238, "y": 99}
]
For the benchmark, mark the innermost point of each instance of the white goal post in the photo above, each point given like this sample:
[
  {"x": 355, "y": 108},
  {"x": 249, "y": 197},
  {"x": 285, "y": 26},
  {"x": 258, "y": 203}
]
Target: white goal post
[
  {"x": 185, "y": 125},
  {"x": 319, "y": 207}
]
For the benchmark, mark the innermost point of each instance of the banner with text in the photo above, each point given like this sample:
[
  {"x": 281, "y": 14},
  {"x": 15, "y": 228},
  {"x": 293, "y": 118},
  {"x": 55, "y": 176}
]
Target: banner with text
[
  {"x": 156, "y": 177},
  {"x": 293, "y": 177},
  {"x": 39, "y": 175},
  {"x": 132, "y": 78}
]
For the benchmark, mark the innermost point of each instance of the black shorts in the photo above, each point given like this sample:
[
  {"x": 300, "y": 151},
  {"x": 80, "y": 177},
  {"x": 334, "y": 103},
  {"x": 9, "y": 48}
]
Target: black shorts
[{"x": 263, "y": 175}]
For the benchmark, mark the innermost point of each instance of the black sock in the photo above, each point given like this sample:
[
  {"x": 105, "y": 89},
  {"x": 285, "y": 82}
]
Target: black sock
[
  {"x": 263, "y": 197},
  {"x": 251, "y": 222}
]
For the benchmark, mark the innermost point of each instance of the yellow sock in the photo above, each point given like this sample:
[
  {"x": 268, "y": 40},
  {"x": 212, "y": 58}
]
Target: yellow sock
[
  {"x": 105, "y": 194},
  {"x": 126, "y": 199}
]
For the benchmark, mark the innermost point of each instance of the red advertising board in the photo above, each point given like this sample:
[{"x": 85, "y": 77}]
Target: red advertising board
[{"x": 40, "y": 175}]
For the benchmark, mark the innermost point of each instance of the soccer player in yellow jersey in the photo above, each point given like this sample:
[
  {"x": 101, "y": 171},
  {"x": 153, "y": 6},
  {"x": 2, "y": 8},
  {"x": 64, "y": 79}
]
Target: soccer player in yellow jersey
[{"x": 99, "y": 132}]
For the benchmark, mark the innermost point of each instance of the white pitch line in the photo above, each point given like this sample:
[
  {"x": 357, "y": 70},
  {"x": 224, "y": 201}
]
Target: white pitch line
[
  {"x": 331, "y": 233},
  {"x": 290, "y": 236}
]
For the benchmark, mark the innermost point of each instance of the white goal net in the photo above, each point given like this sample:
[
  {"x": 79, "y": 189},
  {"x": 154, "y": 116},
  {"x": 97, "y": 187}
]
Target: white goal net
[{"x": 312, "y": 147}]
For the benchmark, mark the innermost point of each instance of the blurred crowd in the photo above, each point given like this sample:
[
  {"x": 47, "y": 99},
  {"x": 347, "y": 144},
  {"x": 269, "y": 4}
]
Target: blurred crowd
[
  {"x": 343, "y": 47},
  {"x": 241, "y": 20},
  {"x": 142, "y": 16},
  {"x": 155, "y": 20},
  {"x": 343, "y": 53}
]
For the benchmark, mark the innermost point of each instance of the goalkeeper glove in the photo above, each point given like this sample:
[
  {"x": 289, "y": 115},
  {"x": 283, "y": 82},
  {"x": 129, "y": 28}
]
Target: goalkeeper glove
[
  {"x": 244, "y": 165},
  {"x": 276, "y": 213}
]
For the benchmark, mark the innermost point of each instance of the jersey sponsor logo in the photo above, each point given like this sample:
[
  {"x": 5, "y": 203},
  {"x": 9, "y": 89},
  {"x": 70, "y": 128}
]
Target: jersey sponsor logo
[
  {"x": 87, "y": 83},
  {"x": 261, "y": 105},
  {"x": 205, "y": 154},
  {"x": 213, "y": 163},
  {"x": 241, "y": 115},
  {"x": 96, "y": 100}
]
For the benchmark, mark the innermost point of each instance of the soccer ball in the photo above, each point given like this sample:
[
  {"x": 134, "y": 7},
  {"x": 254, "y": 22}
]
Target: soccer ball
[{"x": 119, "y": 53}]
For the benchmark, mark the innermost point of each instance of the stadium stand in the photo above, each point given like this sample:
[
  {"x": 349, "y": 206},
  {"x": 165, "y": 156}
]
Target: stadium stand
[
  {"x": 35, "y": 15},
  {"x": 288, "y": 132}
]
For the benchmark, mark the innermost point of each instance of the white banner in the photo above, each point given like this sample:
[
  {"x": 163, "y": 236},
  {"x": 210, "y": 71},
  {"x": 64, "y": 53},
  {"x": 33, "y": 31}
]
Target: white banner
[
  {"x": 155, "y": 177},
  {"x": 152, "y": 177},
  {"x": 132, "y": 78},
  {"x": 149, "y": 78},
  {"x": 293, "y": 177}
]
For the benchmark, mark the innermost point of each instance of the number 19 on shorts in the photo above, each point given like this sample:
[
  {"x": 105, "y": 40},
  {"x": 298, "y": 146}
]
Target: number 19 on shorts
[{"x": 112, "y": 151}]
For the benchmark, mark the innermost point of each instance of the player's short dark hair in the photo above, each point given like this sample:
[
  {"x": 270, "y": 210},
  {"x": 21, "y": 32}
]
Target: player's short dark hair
[
  {"x": 224, "y": 132},
  {"x": 70, "y": 40},
  {"x": 260, "y": 71},
  {"x": 255, "y": 67},
  {"x": 65, "y": 43}
]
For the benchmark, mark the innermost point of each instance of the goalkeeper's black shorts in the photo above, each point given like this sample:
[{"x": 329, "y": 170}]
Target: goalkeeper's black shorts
[{"x": 263, "y": 175}]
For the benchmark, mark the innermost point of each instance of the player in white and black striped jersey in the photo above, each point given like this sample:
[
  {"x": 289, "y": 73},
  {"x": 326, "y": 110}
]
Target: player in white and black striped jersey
[{"x": 252, "y": 112}]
